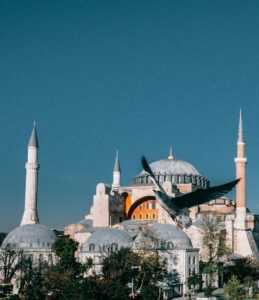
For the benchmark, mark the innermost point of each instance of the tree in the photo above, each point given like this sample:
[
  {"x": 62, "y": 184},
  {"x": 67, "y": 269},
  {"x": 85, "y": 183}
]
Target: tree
[
  {"x": 242, "y": 268},
  {"x": 63, "y": 280},
  {"x": 11, "y": 260},
  {"x": 32, "y": 279},
  {"x": 214, "y": 246},
  {"x": 233, "y": 289},
  {"x": 194, "y": 280}
]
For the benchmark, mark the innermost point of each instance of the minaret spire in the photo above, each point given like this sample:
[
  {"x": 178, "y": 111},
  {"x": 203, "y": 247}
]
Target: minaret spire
[
  {"x": 30, "y": 215},
  {"x": 116, "y": 172}
]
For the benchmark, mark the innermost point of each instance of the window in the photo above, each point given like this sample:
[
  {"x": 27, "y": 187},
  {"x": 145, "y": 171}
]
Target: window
[
  {"x": 190, "y": 271},
  {"x": 193, "y": 260},
  {"x": 153, "y": 204},
  {"x": 147, "y": 205},
  {"x": 146, "y": 216},
  {"x": 50, "y": 258},
  {"x": 175, "y": 261},
  {"x": 140, "y": 207},
  {"x": 170, "y": 245},
  {"x": 190, "y": 260},
  {"x": 114, "y": 247},
  {"x": 120, "y": 219},
  {"x": 140, "y": 216},
  {"x": 134, "y": 217},
  {"x": 91, "y": 247},
  {"x": 153, "y": 216}
]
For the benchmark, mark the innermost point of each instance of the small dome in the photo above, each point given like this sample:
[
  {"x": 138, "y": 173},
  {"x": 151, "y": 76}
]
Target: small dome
[
  {"x": 86, "y": 223},
  {"x": 105, "y": 237},
  {"x": 31, "y": 237},
  {"x": 169, "y": 234},
  {"x": 173, "y": 166}
]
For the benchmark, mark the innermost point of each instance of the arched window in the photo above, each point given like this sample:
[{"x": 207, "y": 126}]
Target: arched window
[
  {"x": 175, "y": 261},
  {"x": 50, "y": 258},
  {"x": 170, "y": 245},
  {"x": 114, "y": 247},
  {"x": 91, "y": 247},
  {"x": 140, "y": 216}
]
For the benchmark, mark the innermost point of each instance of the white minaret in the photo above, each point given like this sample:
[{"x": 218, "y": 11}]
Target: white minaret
[
  {"x": 30, "y": 215},
  {"x": 241, "y": 162},
  {"x": 116, "y": 172}
]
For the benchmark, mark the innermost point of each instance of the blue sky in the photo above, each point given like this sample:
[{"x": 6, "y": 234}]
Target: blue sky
[{"x": 137, "y": 76}]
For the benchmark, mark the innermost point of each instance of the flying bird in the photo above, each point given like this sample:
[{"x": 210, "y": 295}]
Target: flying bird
[{"x": 178, "y": 206}]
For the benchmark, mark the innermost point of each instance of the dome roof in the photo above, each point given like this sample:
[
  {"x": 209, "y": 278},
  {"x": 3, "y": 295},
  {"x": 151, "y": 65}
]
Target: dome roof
[
  {"x": 173, "y": 166},
  {"x": 31, "y": 237},
  {"x": 86, "y": 223},
  {"x": 169, "y": 234},
  {"x": 106, "y": 237}
]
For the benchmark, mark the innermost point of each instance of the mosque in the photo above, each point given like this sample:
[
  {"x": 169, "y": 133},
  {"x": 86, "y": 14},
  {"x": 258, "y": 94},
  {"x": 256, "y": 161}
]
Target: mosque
[{"x": 120, "y": 215}]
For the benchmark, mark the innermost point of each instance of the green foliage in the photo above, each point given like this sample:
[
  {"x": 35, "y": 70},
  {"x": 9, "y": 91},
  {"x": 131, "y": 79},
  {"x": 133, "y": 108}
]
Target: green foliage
[
  {"x": 65, "y": 249},
  {"x": 242, "y": 268},
  {"x": 64, "y": 280},
  {"x": 233, "y": 289},
  {"x": 214, "y": 245},
  {"x": 11, "y": 261},
  {"x": 32, "y": 279},
  {"x": 194, "y": 280},
  {"x": 208, "y": 291}
]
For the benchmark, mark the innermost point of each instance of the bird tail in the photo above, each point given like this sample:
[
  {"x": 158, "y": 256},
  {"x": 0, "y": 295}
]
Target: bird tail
[{"x": 183, "y": 221}]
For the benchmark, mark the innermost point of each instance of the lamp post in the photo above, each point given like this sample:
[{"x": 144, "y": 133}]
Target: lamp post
[{"x": 131, "y": 284}]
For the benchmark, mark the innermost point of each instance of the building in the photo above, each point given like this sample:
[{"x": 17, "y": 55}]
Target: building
[{"x": 121, "y": 213}]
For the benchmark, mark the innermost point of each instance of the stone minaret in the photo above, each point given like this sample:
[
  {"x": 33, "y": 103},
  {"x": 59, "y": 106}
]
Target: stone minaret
[
  {"x": 30, "y": 215},
  {"x": 116, "y": 172},
  {"x": 240, "y": 162}
]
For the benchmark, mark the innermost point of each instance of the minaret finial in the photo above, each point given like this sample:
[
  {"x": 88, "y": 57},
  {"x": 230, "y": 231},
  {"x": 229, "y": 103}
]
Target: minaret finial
[
  {"x": 240, "y": 138},
  {"x": 171, "y": 153}
]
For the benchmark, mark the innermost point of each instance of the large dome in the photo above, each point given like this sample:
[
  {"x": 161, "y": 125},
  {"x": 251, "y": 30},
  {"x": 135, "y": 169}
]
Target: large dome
[
  {"x": 174, "y": 237},
  {"x": 173, "y": 166},
  {"x": 107, "y": 237},
  {"x": 173, "y": 170},
  {"x": 31, "y": 237}
]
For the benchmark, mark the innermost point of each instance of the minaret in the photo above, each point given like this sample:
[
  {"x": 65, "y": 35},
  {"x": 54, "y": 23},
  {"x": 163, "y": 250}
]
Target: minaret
[
  {"x": 30, "y": 215},
  {"x": 240, "y": 162},
  {"x": 116, "y": 172}
]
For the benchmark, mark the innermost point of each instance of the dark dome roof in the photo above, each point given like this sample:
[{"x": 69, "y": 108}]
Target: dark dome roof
[{"x": 31, "y": 237}]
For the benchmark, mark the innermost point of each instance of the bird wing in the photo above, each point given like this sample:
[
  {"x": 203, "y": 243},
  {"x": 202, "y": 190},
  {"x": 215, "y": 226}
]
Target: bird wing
[
  {"x": 201, "y": 196},
  {"x": 148, "y": 170}
]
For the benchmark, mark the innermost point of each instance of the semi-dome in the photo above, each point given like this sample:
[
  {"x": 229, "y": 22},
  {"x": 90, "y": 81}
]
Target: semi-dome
[
  {"x": 30, "y": 237},
  {"x": 169, "y": 235},
  {"x": 107, "y": 237}
]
